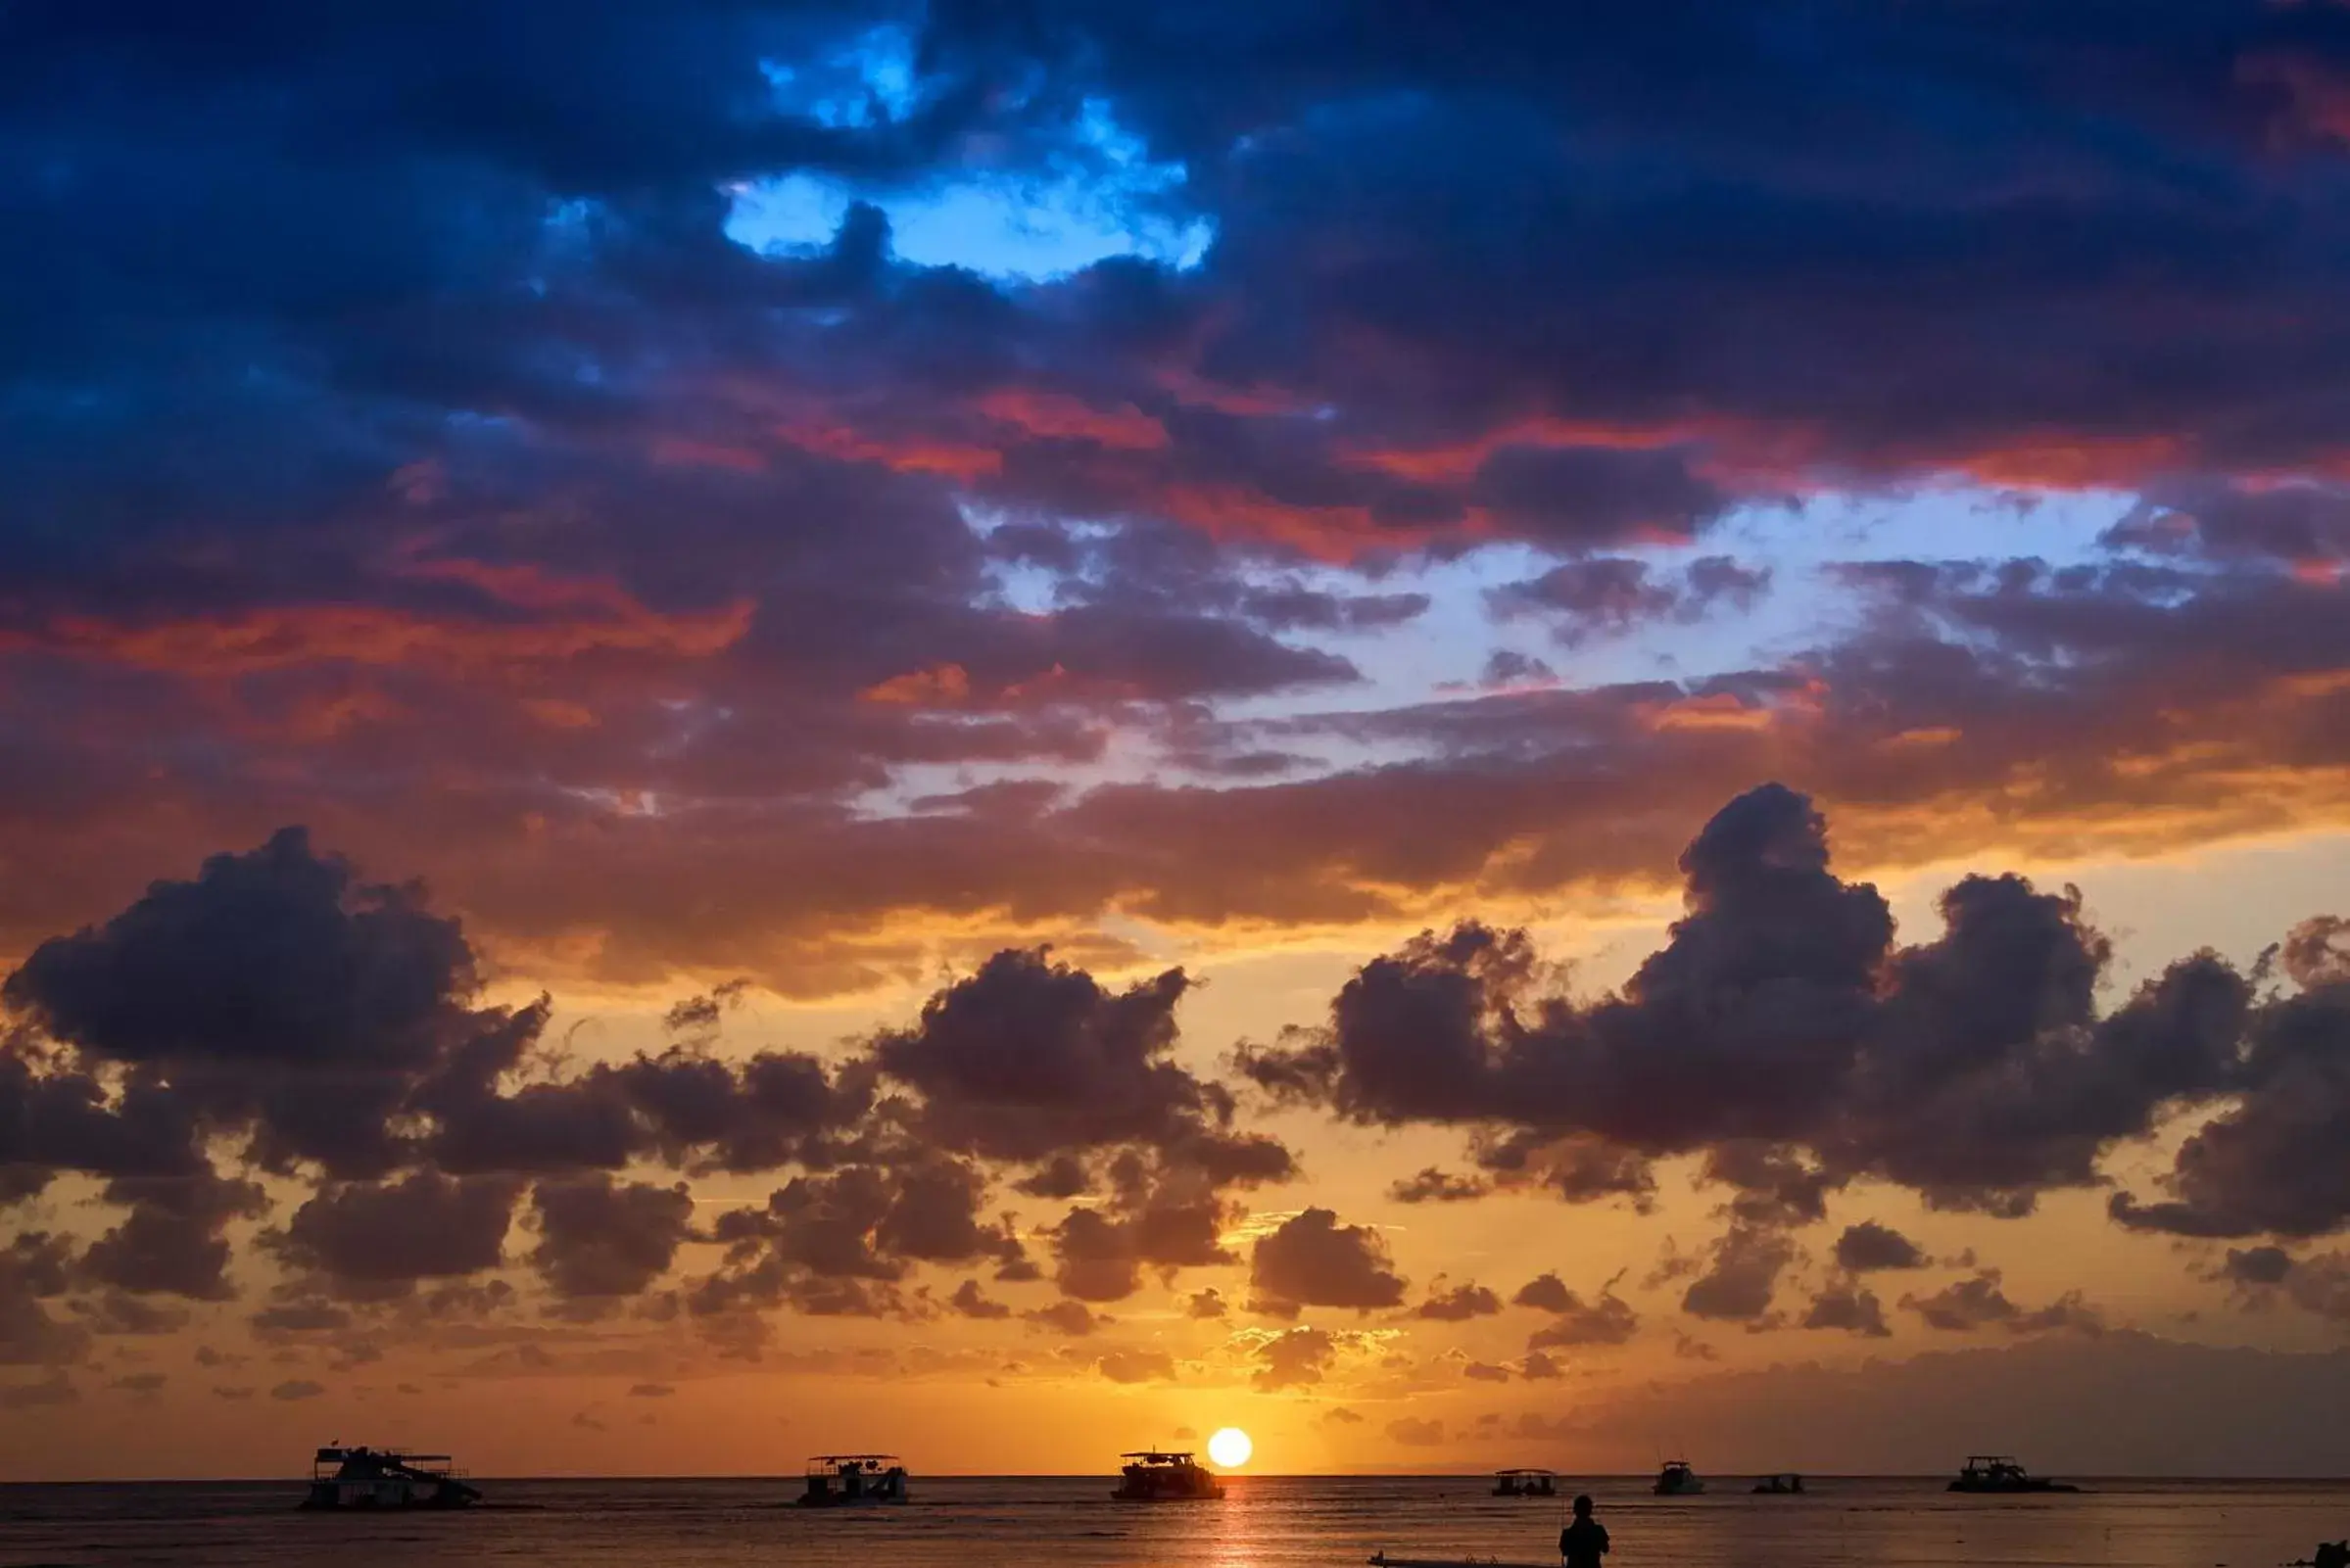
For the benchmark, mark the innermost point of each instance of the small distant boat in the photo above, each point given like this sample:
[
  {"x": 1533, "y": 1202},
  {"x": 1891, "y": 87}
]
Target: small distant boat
[
  {"x": 1150, "y": 1475},
  {"x": 1678, "y": 1480},
  {"x": 1788, "y": 1485},
  {"x": 386, "y": 1478},
  {"x": 1525, "y": 1483},
  {"x": 1997, "y": 1473},
  {"x": 853, "y": 1481}
]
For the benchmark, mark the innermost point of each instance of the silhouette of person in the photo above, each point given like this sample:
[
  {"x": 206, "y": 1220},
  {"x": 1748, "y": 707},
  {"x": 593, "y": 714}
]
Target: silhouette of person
[{"x": 1585, "y": 1542}]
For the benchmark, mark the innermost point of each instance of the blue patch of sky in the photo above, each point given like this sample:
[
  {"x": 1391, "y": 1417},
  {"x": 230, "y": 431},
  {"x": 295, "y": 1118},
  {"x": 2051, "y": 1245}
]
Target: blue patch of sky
[
  {"x": 1439, "y": 656},
  {"x": 1098, "y": 195},
  {"x": 1431, "y": 657}
]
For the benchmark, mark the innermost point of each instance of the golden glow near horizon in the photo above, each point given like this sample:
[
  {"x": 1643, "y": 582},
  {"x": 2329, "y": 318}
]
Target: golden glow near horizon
[{"x": 1230, "y": 1448}]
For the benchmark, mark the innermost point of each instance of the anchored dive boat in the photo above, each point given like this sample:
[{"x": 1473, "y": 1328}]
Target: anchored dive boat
[
  {"x": 1677, "y": 1480},
  {"x": 1152, "y": 1476},
  {"x": 1525, "y": 1483},
  {"x": 1997, "y": 1473},
  {"x": 853, "y": 1481},
  {"x": 386, "y": 1478}
]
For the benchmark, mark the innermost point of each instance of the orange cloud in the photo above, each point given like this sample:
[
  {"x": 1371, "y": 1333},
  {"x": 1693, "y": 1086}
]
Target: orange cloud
[
  {"x": 952, "y": 459},
  {"x": 940, "y": 686},
  {"x": 1058, "y": 415},
  {"x": 585, "y": 615}
]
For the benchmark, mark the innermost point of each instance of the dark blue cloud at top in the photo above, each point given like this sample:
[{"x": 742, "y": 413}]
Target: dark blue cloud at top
[
  {"x": 397, "y": 376},
  {"x": 261, "y": 258}
]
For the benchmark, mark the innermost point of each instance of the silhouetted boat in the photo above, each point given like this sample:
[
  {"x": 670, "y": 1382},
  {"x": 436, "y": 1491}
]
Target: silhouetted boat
[
  {"x": 1152, "y": 1476},
  {"x": 1525, "y": 1483},
  {"x": 1997, "y": 1473},
  {"x": 1788, "y": 1485},
  {"x": 386, "y": 1478},
  {"x": 1380, "y": 1559},
  {"x": 1678, "y": 1480},
  {"x": 853, "y": 1481}
]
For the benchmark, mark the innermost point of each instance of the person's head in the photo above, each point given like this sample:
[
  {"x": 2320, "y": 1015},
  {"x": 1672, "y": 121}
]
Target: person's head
[{"x": 1583, "y": 1506}]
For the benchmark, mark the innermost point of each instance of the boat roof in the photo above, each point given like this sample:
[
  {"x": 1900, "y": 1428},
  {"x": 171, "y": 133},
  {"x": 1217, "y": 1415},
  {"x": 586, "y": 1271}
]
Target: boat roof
[
  {"x": 340, "y": 1452},
  {"x": 1526, "y": 1470},
  {"x": 850, "y": 1458},
  {"x": 1990, "y": 1459},
  {"x": 1159, "y": 1455}
]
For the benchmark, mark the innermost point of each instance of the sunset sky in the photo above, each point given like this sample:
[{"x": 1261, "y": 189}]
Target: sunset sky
[{"x": 1473, "y": 734}]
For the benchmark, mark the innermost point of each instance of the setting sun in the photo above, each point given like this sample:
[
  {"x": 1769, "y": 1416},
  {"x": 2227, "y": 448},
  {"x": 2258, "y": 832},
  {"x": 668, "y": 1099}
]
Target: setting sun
[{"x": 1230, "y": 1448}]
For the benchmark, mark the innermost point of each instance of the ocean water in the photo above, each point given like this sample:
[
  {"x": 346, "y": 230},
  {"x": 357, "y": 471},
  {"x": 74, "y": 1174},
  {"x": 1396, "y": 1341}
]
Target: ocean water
[{"x": 1265, "y": 1522}]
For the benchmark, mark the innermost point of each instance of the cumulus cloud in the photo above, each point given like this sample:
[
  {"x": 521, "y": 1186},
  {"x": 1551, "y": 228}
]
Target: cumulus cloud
[
  {"x": 1855, "y": 1308},
  {"x": 1979, "y": 1302},
  {"x": 1313, "y": 1261},
  {"x": 1463, "y": 1301},
  {"x": 375, "y": 1238},
  {"x": 1606, "y": 1320},
  {"x": 1781, "y": 1016},
  {"x": 601, "y": 1239},
  {"x": 969, "y": 1301},
  {"x": 1869, "y": 1245}
]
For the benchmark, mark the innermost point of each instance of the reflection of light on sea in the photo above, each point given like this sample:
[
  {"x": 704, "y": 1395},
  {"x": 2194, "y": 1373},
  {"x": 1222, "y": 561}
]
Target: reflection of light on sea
[{"x": 1236, "y": 1537}]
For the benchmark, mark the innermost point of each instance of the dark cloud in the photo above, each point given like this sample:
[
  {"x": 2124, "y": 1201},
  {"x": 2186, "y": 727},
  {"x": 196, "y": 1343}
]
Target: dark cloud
[
  {"x": 1544, "y": 1293},
  {"x": 1979, "y": 1302},
  {"x": 1870, "y": 1246},
  {"x": 2261, "y": 1167},
  {"x": 1457, "y": 1305},
  {"x": 370, "y": 1239},
  {"x": 1485, "y": 1372},
  {"x": 1029, "y": 1059},
  {"x": 1313, "y": 1260},
  {"x": 297, "y": 1388},
  {"x": 1536, "y": 1367},
  {"x": 172, "y": 1242},
  {"x": 1741, "y": 1273},
  {"x": 116, "y": 1312},
  {"x": 1434, "y": 1186},
  {"x": 1069, "y": 1317},
  {"x": 1606, "y": 1320},
  {"x": 2257, "y": 1265},
  {"x": 35, "y": 1271},
  {"x": 969, "y": 1301},
  {"x": 1853, "y": 1308},
  {"x": 275, "y": 992},
  {"x": 1205, "y": 1305},
  {"x": 841, "y": 1243},
  {"x": 1780, "y": 1017},
  {"x": 300, "y": 1317},
  {"x": 598, "y": 1238}
]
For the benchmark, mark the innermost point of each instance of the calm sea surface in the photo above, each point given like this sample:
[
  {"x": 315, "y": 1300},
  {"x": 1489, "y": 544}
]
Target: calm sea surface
[{"x": 1266, "y": 1522}]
